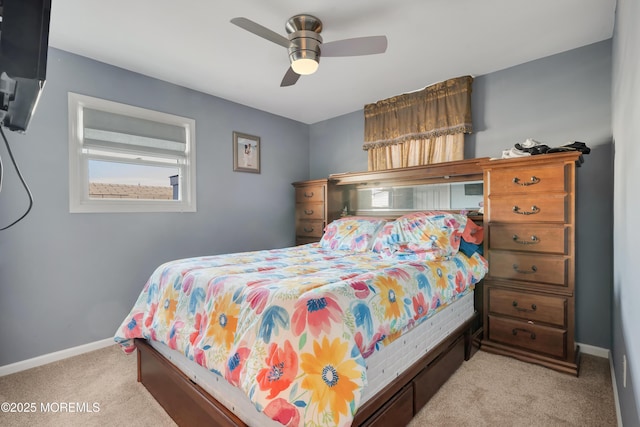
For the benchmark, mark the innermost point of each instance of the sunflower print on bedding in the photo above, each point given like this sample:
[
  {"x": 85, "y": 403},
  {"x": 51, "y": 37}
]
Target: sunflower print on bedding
[{"x": 292, "y": 327}]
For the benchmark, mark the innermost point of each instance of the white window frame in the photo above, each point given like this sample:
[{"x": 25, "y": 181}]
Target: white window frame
[{"x": 79, "y": 201}]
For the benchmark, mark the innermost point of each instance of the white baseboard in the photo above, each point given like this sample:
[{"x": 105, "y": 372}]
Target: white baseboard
[
  {"x": 594, "y": 351},
  {"x": 615, "y": 392},
  {"x": 605, "y": 353},
  {"x": 54, "y": 357}
]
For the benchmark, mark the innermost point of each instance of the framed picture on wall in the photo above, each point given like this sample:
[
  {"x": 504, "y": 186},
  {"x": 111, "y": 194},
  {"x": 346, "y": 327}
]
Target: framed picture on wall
[{"x": 246, "y": 152}]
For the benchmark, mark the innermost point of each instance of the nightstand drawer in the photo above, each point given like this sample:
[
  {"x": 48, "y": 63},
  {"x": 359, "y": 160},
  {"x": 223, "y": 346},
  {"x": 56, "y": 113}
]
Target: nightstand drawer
[
  {"x": 526, "y": 306},
  {"x": 538, "y": 338},
  {"x": 550, "y": 269},
  {"x": 527, "y": 180},
  {"x": 528, "y": 208},
  {"x": 310, "y": 228},
  {"x": 310, "y": 210},
  {"x": 312, "y": 193},
  {"x": 528, "y": 238}
]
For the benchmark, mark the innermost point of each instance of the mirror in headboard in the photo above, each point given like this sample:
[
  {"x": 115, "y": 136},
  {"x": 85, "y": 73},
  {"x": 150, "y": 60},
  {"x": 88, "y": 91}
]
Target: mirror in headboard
[
  {"x": 418, "y": 197},
  {"x": 452, "y": 186}
]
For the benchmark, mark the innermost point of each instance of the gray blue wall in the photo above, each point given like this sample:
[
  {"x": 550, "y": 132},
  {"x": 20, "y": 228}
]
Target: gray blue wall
[
  {"x": 562, "y": 98},
  {"x": 626, "y": 233},
  {"x": 69, "y": 279},
  {"x": 554, "y": 100}
]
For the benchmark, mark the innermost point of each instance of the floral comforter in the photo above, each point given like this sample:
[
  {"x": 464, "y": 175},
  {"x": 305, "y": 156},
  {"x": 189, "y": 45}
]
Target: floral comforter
[{"x": 291, "y": 327}]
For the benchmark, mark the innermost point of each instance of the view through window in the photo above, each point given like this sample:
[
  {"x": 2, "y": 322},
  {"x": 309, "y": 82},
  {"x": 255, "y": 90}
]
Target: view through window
[{"x": 129, "y": 159}]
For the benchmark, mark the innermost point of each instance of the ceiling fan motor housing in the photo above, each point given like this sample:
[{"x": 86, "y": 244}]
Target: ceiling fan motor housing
[{"x": 304, "y": 34}]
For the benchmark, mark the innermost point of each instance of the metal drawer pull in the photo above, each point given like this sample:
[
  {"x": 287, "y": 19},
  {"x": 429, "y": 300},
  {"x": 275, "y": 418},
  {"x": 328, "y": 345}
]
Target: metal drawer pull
[
  {"x": 533, "y": 307},
  {"x": 308, "y": 211},
  {"x": 533, "y": 269},
  {"x": 308, "y": 194},
  {"x": 534, "y": 240},
  {"x": 308, "y": 230},
  {"x": 516, "y": 330},
  {"x": 534, "y": 180},
  {"x": 534, "y": 210}
]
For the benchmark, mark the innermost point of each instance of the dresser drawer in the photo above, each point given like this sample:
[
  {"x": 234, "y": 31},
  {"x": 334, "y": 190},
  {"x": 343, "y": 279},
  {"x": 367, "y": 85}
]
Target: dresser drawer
[
  {"x": 527, "y": 306},
  {"x": 528, "y": 208},
  {"x": 309, "y": 228},
  {"x": 542, "y": 339},
  {"x": 527, "y": 180},
  {"x": 310, "y": 210},
  {"x": 312, "y": 193},
  {"x": 550, "y": 269},
  {"x": 529, "y": 238}
]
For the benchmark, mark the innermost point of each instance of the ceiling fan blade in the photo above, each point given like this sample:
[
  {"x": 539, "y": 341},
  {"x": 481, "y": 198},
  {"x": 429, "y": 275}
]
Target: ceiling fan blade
[
  {"x": 261, "y": 31},
  {"x": 355, "y": 47},
  {"x": 290, "y": 78}
]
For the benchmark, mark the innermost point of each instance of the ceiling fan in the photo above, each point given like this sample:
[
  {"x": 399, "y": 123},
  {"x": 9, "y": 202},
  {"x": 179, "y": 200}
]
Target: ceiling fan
[{"x": 305, "y": 44}]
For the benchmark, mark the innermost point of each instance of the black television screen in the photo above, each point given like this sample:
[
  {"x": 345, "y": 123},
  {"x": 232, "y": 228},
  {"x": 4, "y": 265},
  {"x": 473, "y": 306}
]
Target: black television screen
[{"x": 24, "y": 41}]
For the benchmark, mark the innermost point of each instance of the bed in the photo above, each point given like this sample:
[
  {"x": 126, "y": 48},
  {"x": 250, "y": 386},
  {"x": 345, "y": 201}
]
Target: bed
[{"x": 357, "y": 329}]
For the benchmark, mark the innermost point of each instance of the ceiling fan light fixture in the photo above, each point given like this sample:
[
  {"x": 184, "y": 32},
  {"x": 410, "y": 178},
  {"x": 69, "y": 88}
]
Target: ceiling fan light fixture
[
  {"x": 304, "y": 44},
  {"x": 304, "y": 62},
  {"x": 304, "y": 51}
]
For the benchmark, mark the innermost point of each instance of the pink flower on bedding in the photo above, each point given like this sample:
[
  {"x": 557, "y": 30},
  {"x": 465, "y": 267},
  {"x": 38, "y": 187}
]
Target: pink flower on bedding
[
  {"x": 283, "y": 412},
  {"x": 361, "y": 289},
  {"x": 200, "y": 357},
  {"x": 257, "y": 299},
  {"x": 199, "y": 326},
  {"x": 368, "y": 348},
  {"x": 399, "y": 273},
  {"x": 452, "y": 223},
  {"x": 174, "y": 333},
  {"x": 187, "y": 283},
  {"x": 420, "y": 306},
  {"x": 152, "y": 312},
  {"x": 235, "y": 365},
  {"x": 133, "y": 329},
  {"x": 315, "y": 313},
  {"x": 329, "y": 233},
  {"x": 281, "y": 370},
  {"x": 460, "y": 282}
]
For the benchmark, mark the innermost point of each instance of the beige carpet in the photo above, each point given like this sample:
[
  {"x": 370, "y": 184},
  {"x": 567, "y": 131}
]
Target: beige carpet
[
  {"x": 488, "y": 390},
  {"x": 492, "y": 390}
]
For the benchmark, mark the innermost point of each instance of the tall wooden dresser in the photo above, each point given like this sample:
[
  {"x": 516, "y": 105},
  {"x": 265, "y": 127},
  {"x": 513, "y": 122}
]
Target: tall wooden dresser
[
  {"x": 311, "y": 210},
  {"x": 529, "y": 292}
]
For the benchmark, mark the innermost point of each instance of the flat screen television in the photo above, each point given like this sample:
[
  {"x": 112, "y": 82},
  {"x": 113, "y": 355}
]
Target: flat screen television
[{"x": 24, "y": 41}]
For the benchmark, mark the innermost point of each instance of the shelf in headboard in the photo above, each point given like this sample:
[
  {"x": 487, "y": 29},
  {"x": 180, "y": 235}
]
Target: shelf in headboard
[
  {"x": 408, "y": 189},
  {"x": 461, "y": 170}
]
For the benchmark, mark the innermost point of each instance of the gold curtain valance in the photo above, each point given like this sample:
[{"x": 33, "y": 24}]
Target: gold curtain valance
[{"x": 440, "y": 109}]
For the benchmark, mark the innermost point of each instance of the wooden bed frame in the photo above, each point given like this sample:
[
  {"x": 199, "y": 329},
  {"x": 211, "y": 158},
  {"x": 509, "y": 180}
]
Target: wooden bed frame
[{"x": 189, "y": 404}]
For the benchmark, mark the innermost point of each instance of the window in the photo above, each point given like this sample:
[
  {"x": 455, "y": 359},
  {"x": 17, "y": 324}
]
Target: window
[{"x": 129, "y": 159}]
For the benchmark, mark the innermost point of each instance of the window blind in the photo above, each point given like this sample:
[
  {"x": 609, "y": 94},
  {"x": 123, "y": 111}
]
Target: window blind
[{"x": 111, "y": 131}]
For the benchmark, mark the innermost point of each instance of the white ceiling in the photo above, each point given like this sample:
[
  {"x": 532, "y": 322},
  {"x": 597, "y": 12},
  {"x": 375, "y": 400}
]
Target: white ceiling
[{"x": 192, "y": 43}]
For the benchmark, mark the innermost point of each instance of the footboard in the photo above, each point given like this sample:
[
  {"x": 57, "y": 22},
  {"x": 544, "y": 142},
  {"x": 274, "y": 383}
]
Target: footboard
[{"x": 189, "y": 404}]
